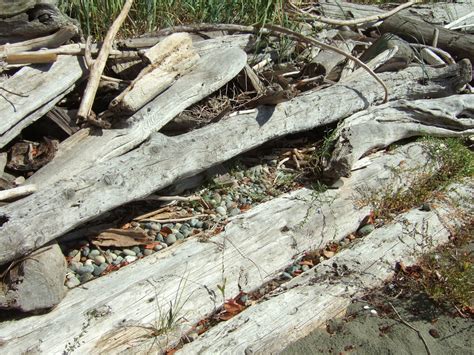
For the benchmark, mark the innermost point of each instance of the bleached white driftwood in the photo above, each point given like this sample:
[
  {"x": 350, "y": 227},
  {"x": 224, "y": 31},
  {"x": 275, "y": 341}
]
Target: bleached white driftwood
[
  {"x": 378, "y": 127},
  {"x": 172, "y": 57},
  {"x": 32, "y": 91},
  {"x": 89, "y": 147},
  {"x": 160, "y": 161},
  {"x": 308, "y": 301},
  {"x": 109, "y": 315},
  {"x": 17, "y": 192}
]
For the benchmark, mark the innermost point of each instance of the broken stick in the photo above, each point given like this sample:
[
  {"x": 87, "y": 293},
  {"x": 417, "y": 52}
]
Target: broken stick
[{"x": 99, "y": 64}]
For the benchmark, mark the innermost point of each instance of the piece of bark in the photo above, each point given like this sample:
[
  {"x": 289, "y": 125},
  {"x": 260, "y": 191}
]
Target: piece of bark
[
  {"x": 403, "y": 57},
  {"x": 281, "y": 228},
  {"x": 122, "y": 238},
  {"x": 42, "y": 20},
  {"x": 172, "y": 57},
  {"x": 33, "y": 91},
  {"x": 35, "y": 283},
  {"x": 326, "y": 61},
  {"x": 459, "y": 45},
  {"x": 377, "y": 128},
  {"x": 308, "y": 301},
  {"x": 88, "y": 147},
  {"x": 160, "y": 161},
  {"x": 64, "y": 119}
]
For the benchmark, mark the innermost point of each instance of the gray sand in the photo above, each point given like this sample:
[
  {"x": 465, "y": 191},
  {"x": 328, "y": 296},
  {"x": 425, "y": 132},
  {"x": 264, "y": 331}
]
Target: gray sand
[{"x": 363, "y": 333}]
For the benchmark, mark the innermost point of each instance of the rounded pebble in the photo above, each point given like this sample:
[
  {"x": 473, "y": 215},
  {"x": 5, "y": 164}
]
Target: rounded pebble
[
  {"x": 158, "y": 247},
  {"x": 93, "y": 252},
  {"x": 75, "y": 265},
  {"x": 73, "y": 253},
  {"x": 171, "y": 239},
  {"x": 86, "y": 277},
  {"x": 286, "y": 276},
  {"x": 130, "y": 258},
  {"x": 221, "y": 210},
  {"x": 72, "y": 282},
  {"x": 85, "y": 251},
  {"x": 365, "y": 230},
  {"x": 179, "y": 236},
  {"x": 85, "y": 269},
  {"x": 129, "y": 252},
  {"x": 193, "y": 222},
  {"x": 147, "y": 252},
  {"x": 98, "y": 270},
  {"x": 89, "y": 262},
  {"x": 99, "y": 259},
  {"x": 159, "y": 238},
  {"x": 136, "y": 250},
  {"x": 117, "y": 261},
  {"x": 234, "y": 212}
]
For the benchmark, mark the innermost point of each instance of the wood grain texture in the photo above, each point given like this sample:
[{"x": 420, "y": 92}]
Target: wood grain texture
[
  {"x": 108, "y": 314},
  {"x": 33, "y": 87},
  {"x": 160, "y": 161}
]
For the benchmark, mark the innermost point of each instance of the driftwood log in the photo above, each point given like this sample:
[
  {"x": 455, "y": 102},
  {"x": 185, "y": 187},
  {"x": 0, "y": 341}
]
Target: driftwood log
[
  {"x": 395, "y": 121},
  {"x": 160, "y": 161},
  {"x": 459, "y": 45},
  {"x": 33, "y": 91},
  {"x": 136, "y": 296}
]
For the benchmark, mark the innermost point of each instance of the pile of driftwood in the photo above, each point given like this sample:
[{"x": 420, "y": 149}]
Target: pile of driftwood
[{"x": 90, "y": 127}]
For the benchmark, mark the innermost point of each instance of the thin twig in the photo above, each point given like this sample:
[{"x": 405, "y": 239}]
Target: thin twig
[
  {"x": 173, "y": 220},
  {"x": 353, "y": 22},
  {"x": 99, "y": 64},
  {"x": 412, "y": 327}
]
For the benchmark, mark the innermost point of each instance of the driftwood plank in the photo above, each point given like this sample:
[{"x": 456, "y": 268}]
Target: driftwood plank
[
  {"x": 160, "y": 161},
  {"x": 319, "y": 295},
  {"x": 32, "y": 88},
  {"x": 87, "y": 148},
  {"x": 108, "y": 314},
  {"x": 377, "y": 128}
]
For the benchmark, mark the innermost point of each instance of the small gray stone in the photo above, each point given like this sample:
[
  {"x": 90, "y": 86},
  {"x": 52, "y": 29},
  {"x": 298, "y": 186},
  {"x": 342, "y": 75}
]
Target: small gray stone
[
  {"x": 129, "y": 252},
  {"x": 159, "y": 238},
  {"x": 365, "y": 230},
  {"x": 147, "y": 252},
  {"x": 158, "y": 247},
  {"x": 98, "y": 270},
  {"x": 286, "y": 276},
  {"x": 193, "y": 222},
  {"x": 169, "y": 225},
  {"x": 86, "y": 277},
  {"x": 93, "y": 253},
  {"x": 130, "y": 258},
  {"x": 85, "y": 269},
  {"x": 99, "y": 259},
  {"x": 234, "y": 212},
  {"x": 75, "y": 265},
  {"x": 113, "y": 256},
  {"x": 140, "y": 255},
  {"x": 117, "y": 261},
  {"x": 155, "y": 226},
  {"x": 72, "y": 282},
  {"x": 85, "y": 251},
  {"x": 73, "y": 253},
  {"x": 170, "y": 239},
  {"x": 305, "y": 267},
  {"x": 136, "y": 250},
  {"x": 179, "y": 236},
  {"x": 221, "y": 210},
  {"x": 229, "y": 204}
]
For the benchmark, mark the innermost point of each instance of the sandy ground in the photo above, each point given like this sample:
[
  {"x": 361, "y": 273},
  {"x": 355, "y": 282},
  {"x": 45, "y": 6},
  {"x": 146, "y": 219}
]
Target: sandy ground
[{"x": 362, "y": 332}]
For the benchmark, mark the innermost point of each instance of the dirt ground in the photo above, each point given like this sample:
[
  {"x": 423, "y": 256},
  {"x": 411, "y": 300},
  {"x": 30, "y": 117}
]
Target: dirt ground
[{"x": 363, "y": 332}]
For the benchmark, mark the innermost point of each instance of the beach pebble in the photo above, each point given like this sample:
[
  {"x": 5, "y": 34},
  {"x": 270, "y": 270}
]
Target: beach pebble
[
  {"x": 158, "y": 247},
  {"x": 130, "y": 258},
  {"x": 221, "y": 210},
  {"x": 171, "y": 239},
  {"x": 234, "y": 212},
  {"x": 72, "y": 282},
  {"x": 85, "y": 251},
  {"x": 117, "y": 261},
  {"x": 99, "y": 259},
  {"x": 89, "y": 262},
  {"x": 147, "y": 252},
  {"x": 193, "y": 222},
  {"x": 86, "y": 269},
  {"x": 98, "y": 270},
  {"x": 179, "y": 236},
  {"x": 75, "y": 265},
  {"x": 93, "y": 253},
  {"x": 73, "y": 253},
  {"x": 365, "y": 230},
  {"x": 286, "y": 276},
  {"x": 128, "y": 252},
  {"x": 86, "y": 277},
  {"x": 136, "y": 250}
]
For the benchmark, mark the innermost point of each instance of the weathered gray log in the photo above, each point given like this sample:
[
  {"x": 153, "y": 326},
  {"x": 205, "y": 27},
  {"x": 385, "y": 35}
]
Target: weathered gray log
[
  {"x": 435, "y": 13},
  {"x": 90, "y": 320},
  {"x": 308, "y": 301},
  {"x": 160, "y": 161},
  {"x": 40, "y": 21},
  {"x": 326, "y": 61},
  {"x": 459, "y": 45},
  {"x": 377, "y": 128},
  {"x": 35, "y": 283},
  {"x": 89, "y": 147},
  {"x": 33, "y": 91},
  {"x": 403, "y": 57}
]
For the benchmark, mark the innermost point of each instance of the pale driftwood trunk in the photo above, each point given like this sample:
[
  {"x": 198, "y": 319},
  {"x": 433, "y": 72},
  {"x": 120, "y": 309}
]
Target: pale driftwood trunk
[
  {"x": 108, "y": 314},
  {"x": 381, "y": 126},
  {"x": 33, "y": 91},
  {"x": 89, "y": 147},
  {"x": 160, "y": 161},
  {"x": 316, "y": 296}
]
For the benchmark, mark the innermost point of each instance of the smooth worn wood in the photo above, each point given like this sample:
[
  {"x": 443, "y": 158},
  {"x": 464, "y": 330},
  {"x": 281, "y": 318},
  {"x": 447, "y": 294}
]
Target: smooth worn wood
[
  {"x": 308, "y": 301},
  {"x": 90, "y": 147},
  {"x": 459, "y": 45},
  {"x": 172, "y": 57},
  {"x": 378, "y": 127},
  {"x": 30, "y": 90},
  {"x": 99, "y": 64},
  {"x": 16, "y": 192},
  {"x": 31, "y": 58},
  {"x": 160, "y": 161},
  {"x": 90, "y": 320}
]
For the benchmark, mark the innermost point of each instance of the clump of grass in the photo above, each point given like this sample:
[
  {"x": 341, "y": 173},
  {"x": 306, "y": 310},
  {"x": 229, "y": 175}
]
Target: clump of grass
[
  {"x": 445, "y": 275},
  {"x": 454, "y": 162},
  {"x": 96, "y": 16}
]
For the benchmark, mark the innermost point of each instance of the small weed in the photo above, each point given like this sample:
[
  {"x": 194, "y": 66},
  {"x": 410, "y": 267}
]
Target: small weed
[{"x": 453, "y": 162}]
